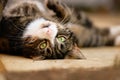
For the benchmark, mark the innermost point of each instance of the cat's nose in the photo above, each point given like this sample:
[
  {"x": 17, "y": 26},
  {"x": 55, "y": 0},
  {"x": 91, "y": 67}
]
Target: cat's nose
[{"x": 49, "y": 31}]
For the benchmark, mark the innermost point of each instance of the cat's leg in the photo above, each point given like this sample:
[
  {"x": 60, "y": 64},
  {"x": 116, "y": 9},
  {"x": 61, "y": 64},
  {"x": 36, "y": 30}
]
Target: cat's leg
[
  {"x": 109, "y": 36},
  {"x": 23, "y": 8},
  {"x": 61, "y": 10},
  {"x": 106, "y": 36},
  {"x": 65, "y": 14},
  {"x": 82, "y": 19}
]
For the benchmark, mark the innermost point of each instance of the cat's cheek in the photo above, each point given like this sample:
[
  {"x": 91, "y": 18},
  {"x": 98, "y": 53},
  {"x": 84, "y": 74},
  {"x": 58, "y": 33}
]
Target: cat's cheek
[{"x": 75, "y": 53}]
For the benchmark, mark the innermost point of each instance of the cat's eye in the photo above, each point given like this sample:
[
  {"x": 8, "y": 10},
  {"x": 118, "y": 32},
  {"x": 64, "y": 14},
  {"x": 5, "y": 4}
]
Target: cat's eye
[
  {"x": 43, "y": 45},
  {"x": 61, "y": 38}
]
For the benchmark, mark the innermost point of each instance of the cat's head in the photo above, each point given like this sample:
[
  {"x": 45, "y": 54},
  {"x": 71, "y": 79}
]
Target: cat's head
[{"x": 43, "y": 39}]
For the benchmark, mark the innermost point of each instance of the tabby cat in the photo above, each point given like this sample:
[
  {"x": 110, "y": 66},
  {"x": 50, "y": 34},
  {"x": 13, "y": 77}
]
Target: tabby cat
[{"x": 49, "y": 30}]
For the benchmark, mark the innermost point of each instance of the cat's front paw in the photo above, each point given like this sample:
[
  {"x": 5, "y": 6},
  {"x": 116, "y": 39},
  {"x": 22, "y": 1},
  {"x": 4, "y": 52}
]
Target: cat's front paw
[
  {"x": 24, "y": 8},
  {"x": 58, "y": 8},
  {"x": 51, "y": 3}
]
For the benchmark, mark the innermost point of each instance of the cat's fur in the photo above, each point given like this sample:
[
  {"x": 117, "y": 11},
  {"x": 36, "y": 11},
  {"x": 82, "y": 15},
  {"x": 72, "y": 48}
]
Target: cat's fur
[{"x": 27, "y": 24}]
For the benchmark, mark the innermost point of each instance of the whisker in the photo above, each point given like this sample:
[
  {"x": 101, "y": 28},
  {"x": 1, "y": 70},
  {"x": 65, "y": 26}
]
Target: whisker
[{"x": 64, "y": 20}]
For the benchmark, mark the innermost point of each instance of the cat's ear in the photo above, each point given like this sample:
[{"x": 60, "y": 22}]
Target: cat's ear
[{"x": 75, "y": 53}]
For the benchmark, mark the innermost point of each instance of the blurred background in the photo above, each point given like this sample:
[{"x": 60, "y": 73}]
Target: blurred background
[
  {"x": 103, "y": 13},
  {"x": 95, "y": 5}
]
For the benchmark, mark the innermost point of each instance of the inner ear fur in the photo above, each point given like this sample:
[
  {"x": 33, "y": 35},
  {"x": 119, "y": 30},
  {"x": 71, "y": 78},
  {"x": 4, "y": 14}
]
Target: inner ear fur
[{"x": 75, "y": 53}]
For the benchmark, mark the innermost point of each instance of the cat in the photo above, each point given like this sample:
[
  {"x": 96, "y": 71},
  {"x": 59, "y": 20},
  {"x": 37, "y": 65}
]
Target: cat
[
  {"x": 50, "y": 30},
  {"x": 29, "y": 31}
]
